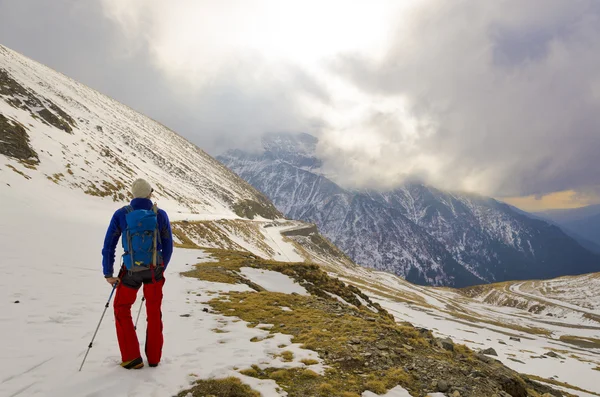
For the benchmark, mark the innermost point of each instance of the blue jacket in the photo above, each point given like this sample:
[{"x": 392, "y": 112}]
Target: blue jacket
[{"x": 118, "y": 224}]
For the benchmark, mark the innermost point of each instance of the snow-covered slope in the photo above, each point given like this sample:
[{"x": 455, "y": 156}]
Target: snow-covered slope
[
  {"x": 549, "y": 329},
  {"x": 421, "y": 233},
  {"x": 56, "y": 129},
  {"x": 52, "y": 227}
]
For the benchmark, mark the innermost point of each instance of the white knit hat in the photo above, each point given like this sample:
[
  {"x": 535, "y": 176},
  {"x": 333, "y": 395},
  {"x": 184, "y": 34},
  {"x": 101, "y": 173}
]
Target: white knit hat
[{"x": 141, "y": 188}]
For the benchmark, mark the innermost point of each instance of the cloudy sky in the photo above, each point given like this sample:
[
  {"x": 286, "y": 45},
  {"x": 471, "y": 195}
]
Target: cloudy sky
[{"x": 497, "y": 97}]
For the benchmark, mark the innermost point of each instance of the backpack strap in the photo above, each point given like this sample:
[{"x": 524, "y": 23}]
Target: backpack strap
[
  {"x": 129, "y": 210},
  {"x": 155, "y": 256}
]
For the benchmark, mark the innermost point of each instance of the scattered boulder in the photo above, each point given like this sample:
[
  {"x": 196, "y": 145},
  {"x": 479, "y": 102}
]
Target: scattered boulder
[
  {"x": 442, "y": 386},
  {"x": 184, "y": 315},
  {"x": 512, "y": 386},
  {"x": 446, "y": 344},
  {"x": 502, "y": 342},
  {"x": 486, "y": 359},
  {"x": 17, "y": 301},
  {"x": 515, "y": 339},
  {"x": 456, "y": 393},
  {"x": 489, "y": 351},
  {"x": 205, "y": 310}
]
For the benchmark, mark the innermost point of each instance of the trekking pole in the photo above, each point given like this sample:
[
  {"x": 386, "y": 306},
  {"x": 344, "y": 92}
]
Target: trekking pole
[
  {"x": 138, "y": 316},
  {"x": 98, "y": 327}
]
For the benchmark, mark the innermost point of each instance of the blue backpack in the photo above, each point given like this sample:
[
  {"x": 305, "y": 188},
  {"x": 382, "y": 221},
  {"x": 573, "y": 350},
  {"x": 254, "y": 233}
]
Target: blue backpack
[{"x": 140, "y": 238}]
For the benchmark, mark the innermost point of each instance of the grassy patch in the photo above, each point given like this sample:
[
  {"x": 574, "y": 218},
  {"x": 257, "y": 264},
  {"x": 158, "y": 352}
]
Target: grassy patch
[
  {"x": 24, "y": 175},
  {"x": 56, "y": 177},
  {"x": 299, "y": 382},
  {"x": 228, "y": 387},
  {"x": 116, "y": 189},
  {"x": 249, "y": 209},
  {"x": 228, "y": 263},
  {"x": 361, "y": 349},
  {"x": 580, "y": 341},
  {"x": 515, "y": 327},
  {"x": 287, "y": 356},
  {"x": 561, "y": 384},
  {"x": 309, "y": 361}
]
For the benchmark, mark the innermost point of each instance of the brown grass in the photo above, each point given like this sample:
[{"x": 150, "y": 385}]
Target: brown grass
[
  {"x": 580, "y": 341},
  {"x": 561, "y": 384},
  {"x": 228, "y": 387}
]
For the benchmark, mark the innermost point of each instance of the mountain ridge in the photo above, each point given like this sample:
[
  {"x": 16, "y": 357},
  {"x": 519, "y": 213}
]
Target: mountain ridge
[{"x": 428, "y": 231}]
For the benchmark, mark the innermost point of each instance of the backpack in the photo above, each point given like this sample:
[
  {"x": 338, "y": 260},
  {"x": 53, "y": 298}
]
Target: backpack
[{"x": 140, "y": 238}]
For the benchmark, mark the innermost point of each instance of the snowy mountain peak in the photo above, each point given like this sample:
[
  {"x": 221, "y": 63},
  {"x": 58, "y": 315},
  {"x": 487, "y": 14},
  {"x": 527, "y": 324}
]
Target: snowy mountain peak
[{"x": 416, "y": 231}]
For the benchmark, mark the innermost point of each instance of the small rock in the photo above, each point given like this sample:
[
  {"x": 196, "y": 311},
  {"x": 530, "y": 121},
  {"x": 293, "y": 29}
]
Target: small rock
[
  {"x": 434, "y": 385},
  {"x": 485, "y": 358},
  {"x": 447, "y": 344},
  {"x": 205, "y": 310},
  {"x": 456, "y": 394},
  {"x": 407, "y": 347},
  {"x": 355, "y": 341},
  {"x": 198, "y": 294},
  {"x": 17, "y": 301},
  {"x": 443, "y": 386},
  {"x": 502, "y": 342},
  {"x": 490, "y": 352},
  {"x": 553, "y": 355},
  {"x": 184, "y": 315},
  {"x": 515, "y": 339}
]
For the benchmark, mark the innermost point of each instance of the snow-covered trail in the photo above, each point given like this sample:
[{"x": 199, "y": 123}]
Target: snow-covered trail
[
  {"x": 52, "y": 267},
  {"x": 516, "y": 289}
]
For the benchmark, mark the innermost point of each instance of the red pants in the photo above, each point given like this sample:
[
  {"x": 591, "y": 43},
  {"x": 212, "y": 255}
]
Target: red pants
[{"x": 125, "y": 298}]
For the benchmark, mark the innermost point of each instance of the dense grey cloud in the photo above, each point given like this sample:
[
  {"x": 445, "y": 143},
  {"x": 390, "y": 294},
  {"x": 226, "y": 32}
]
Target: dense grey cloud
[
  {"x": 496, "y": 97},
  {"x": 507, "y": 94},
  {"x": 241, "y": 101}
]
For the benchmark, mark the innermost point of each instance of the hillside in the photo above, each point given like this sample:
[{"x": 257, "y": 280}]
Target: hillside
[
  {"x": 55, "y": 128},
  {"x": 418, "y": 232},
  {"x": 583, "y": 222},
  {"x": 262, "y": 306}
]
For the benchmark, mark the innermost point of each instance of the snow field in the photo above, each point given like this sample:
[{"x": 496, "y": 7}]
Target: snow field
[{"x": 52, "y": 266}]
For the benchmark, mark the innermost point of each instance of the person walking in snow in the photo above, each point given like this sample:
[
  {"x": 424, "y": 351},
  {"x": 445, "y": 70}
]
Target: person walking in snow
[{"x": 148, "y": 244}]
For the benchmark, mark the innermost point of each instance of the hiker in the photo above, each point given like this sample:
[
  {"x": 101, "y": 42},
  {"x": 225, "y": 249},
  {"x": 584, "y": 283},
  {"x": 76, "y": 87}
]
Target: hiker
[{"x": 148, "y": 245}]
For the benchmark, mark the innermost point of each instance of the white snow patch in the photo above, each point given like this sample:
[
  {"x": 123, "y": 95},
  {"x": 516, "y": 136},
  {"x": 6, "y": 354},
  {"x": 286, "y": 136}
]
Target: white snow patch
[
  {"x": 273, "y": 281},
  {"x": 397, "y": 391}
]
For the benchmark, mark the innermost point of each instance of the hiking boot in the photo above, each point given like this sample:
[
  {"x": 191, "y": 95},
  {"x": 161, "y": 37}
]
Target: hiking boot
[
  {"x": 153, "y": 365},
  {"x": 133, "y": 364}
]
